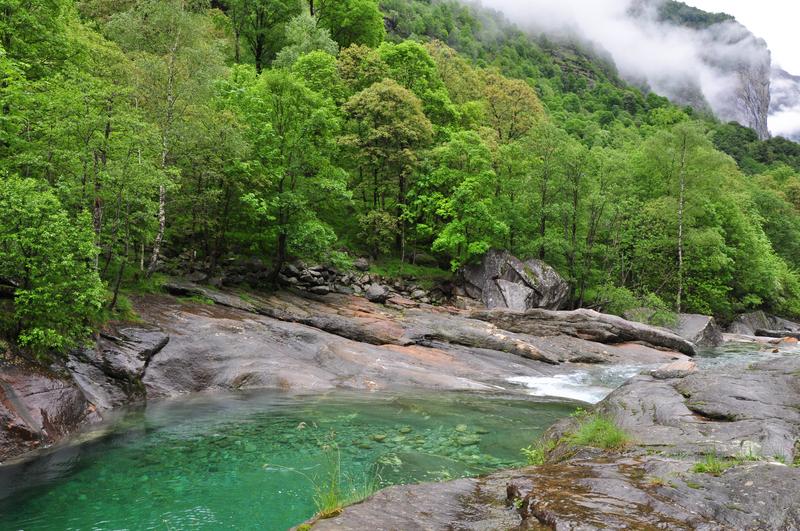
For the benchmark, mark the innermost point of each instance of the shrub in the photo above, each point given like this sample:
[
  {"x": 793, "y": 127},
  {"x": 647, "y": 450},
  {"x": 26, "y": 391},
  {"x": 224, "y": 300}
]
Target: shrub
[{"x": 536, "y": 454}]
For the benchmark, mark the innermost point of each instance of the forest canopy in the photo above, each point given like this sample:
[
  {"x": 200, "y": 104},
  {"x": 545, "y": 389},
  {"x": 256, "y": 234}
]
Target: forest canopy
[{"x": 148, "y": 136}]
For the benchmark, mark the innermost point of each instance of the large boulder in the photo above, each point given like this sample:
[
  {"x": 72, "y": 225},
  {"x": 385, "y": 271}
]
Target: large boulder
[
  {"x": 701, "y": 330},
  {"x": 377, "y": 293},
  {"x": 749, "y": 323},
  {"x": 502, "y": 280}
]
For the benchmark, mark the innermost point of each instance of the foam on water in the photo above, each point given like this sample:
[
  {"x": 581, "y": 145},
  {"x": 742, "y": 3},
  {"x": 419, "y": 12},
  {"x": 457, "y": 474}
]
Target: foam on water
[{"x": 590, "y": 386}]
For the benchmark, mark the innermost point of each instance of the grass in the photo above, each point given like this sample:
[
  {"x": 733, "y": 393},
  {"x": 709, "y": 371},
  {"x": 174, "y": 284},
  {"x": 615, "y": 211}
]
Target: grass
[
  {"x": 135, "y": 281},
  {"x": 600, "y": 432},
  {"x": 199, "y": 299},
  {"x": 657, "y": 481},
  {"x": 427, "y": 277},
  {"x": 714, "y": 465},
  {"x": 332, "y": 489},
  {"x": 536, "y": 454},
  {"x": 123, "y": 310}
]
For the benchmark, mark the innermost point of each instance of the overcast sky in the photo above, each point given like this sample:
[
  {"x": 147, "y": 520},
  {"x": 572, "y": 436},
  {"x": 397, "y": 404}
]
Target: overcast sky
[{"x": 775, "y": 21}]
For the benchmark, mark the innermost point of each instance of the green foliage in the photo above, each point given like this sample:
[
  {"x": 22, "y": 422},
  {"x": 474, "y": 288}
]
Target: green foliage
[
  {"x": 536, "y": 454},
  {"x": 303, "y": 36},
  {"x": 425, "y": 276},
  {"x": 326, "y": 130},
  {"x": 712, "y": 464},
  {"x": 351, "y": 21},
  {"x": 292, "y": 129},
  {"x": 600, "y": 432},
  {"x": 50, "y": 259}
]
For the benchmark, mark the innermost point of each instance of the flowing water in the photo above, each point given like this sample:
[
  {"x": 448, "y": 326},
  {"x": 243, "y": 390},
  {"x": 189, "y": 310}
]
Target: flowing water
[{"x": 255, "y": 461}]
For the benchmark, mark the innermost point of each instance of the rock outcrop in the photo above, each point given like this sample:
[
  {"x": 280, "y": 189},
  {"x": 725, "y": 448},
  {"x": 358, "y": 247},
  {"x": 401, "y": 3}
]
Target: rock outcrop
[
  {"x": 212, "y": 339},
  {"x": 701, "y": 330},
  {"x": 747, "y": 419},
  {"x": 37, "y": 408},
  {"x": 503, "y": 281},
  {"x": 585, "y": 324},
  {"x": 749, "y": 323}
]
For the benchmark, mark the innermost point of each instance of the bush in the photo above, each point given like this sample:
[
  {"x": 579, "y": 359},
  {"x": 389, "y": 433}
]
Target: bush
[
  {"x": 50, "y": 258},
  {"x": 536, "y": 454}
]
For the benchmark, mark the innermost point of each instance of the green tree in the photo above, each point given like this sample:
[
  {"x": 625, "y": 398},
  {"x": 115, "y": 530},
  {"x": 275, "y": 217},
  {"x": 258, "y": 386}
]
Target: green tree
[
  {"x": 48, "y": 261},
  {"x": 361, "y": 66},
  {"x": 293, "y": 137},
  {"x": 460, "y": 192},
  {"x": 260, "y": 23},
  {"x": 387, "y": 131},
  {"x": 350, "y": 21},
  {"x": 304, "y": 36}
]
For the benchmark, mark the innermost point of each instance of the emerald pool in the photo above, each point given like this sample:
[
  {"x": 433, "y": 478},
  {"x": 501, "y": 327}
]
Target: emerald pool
[{"x": 252, "y": 460}]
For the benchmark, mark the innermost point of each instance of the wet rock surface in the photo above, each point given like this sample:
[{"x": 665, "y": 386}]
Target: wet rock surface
[
  {"x": 38, "y": 408},
  {"x": 585, "y": 324},
  {"x": 747, "y": 419},
  {"x": 203, "y": 338}
]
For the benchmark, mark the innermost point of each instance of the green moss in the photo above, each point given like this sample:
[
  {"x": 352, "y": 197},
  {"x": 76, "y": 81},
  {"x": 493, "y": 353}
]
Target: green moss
[
  {"x": 600, "y": 432},
  {"x": 198, "y": 299}
]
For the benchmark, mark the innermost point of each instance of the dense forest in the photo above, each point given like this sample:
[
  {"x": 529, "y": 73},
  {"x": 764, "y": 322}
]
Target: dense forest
[{"x": 143, "y": 137}]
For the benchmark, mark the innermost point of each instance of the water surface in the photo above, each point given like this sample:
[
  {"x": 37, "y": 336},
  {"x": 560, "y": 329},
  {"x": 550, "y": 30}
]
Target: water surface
[{"x": 250, "y": 461}]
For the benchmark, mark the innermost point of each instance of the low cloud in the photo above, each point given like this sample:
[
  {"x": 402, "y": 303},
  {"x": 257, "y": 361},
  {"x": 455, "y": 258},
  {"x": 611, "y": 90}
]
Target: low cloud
[{"x": 682, "y": 63}]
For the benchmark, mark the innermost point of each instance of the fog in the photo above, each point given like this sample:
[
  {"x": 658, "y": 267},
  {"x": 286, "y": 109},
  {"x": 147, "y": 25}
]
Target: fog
[{"x": 678, "y": 62}]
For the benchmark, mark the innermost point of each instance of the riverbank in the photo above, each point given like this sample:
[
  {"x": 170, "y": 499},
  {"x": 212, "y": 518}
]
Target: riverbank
[
  {"x": 194, "y": 341},
  {"x": 714, "y": 449},
  {"x": 203, "y": 339}
]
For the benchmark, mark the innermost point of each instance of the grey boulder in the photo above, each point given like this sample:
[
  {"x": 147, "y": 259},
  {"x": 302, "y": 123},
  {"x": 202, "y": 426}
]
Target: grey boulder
[
  {"x": 377, "y": 293},
  {"x": 502, "y": 280}
]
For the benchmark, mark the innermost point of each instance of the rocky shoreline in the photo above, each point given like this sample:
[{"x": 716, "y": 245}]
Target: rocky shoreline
[
  {"x": 198, "y": 338},
  {"x": 201, "y": 338},
  {"x": 708, "y": 450}
]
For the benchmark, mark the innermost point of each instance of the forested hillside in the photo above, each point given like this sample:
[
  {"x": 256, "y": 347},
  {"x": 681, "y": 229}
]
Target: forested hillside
[{"x": 140, "y": 137}]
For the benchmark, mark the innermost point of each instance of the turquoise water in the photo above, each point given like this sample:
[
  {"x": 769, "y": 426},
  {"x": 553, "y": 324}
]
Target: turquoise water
[{"x": 251, "y": 461}]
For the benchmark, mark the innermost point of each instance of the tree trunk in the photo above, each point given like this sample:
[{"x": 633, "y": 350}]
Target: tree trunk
[
  {"x": 162, "y": 223},
  {"x": 543, "y": 217},
  {"x": 681, "y": 207},
  {"x": 165, "y": 148}
]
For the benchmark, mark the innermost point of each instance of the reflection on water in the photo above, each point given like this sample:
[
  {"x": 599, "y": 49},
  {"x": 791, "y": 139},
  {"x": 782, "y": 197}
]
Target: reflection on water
[{"x": 248, "y": 461}]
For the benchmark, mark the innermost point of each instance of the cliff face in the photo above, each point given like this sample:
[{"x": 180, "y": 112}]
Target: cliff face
[{"x": 739, "y": 62}]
